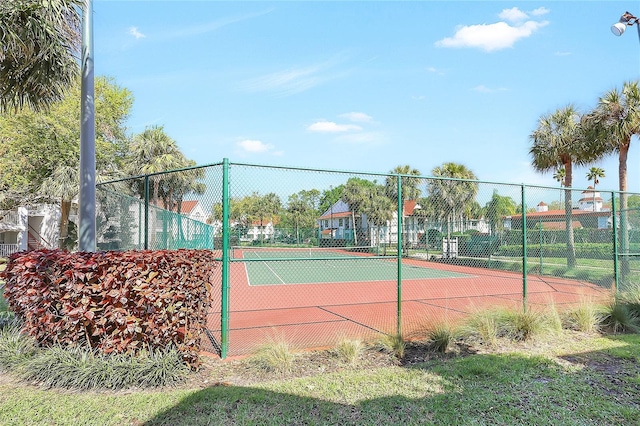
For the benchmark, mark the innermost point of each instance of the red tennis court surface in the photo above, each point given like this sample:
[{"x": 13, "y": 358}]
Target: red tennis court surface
[{"x": 318, "y": 315}]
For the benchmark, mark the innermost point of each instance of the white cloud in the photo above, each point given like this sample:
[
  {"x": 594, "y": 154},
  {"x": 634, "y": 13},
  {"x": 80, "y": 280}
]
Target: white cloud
[
  {"x": 513, "y": 15},
  {"x": 499, "y": 35},
  {"x": 254, "y": 146},
  {"x": 137, "y": 34},
  {"x": 358, "y": 117},
  {"x": 295, "y": 80},
  {"x": 331, "y": 127},
  {"x": 563, "y": 53},
  {"x": 540, "y": 11},
  {"x": 490, "y": 37}
]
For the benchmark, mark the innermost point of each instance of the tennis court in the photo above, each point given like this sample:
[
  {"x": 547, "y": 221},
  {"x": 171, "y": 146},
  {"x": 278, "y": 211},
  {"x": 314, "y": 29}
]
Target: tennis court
[
  {"x": 305, "y": 266},
  {"x": 314, "y": 297}
]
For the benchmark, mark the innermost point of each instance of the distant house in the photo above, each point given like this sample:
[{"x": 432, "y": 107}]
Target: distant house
[
  {"x": 339, "y": 223},
  {"x": 264, "y": 231},
  {"x": 28, "y": 228},
  {"x": 591, "y": 213}
]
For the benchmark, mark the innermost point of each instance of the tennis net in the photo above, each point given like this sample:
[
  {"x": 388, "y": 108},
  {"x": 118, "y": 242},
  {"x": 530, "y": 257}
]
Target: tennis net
[{"x": 243, "y": 252}]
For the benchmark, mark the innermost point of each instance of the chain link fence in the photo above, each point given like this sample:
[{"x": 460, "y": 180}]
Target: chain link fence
[{"x": 314, "y": 256}]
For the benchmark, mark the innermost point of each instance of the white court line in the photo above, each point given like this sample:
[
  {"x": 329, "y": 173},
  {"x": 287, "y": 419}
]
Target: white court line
[{"x": 269, "y": 267}]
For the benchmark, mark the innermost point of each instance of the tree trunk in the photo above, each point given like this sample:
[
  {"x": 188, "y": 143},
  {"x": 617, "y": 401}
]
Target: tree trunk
[
  {"x": 65, "y": 209},
  {"x": 623, "y": 234},
  {"x": 571, "y": 249},
  {"x": 355, "y": 234}
]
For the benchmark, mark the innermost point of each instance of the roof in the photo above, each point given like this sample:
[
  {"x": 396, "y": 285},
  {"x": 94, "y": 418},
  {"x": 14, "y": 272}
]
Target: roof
[
  {"x": 336, "y": 215},
  {"x": 561, "y": 213},
  {"x": 410, "y": 206},
  {"x": 187, "y": 206}
]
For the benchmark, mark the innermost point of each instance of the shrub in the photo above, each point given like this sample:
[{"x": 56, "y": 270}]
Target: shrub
[
  {"x": 618, "y": 318},
  {"x": 116, "y": 302}
]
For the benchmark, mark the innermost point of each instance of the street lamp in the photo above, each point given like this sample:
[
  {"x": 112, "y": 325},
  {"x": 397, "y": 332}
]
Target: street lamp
[{"x": 626, "y": 20}]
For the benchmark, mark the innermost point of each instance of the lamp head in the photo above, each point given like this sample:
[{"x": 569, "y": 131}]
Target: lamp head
[
  {"x": 626, "y": 19},
  {"x": 618, "y": 28}
]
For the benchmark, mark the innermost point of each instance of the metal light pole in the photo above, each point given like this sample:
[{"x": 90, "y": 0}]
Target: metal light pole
[
  {"x": 626, "y": 20},
  {"x": 87, "y": 195}
]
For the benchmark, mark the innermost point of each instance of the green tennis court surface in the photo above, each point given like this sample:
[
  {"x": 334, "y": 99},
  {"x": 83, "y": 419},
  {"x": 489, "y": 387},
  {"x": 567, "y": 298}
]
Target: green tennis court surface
[{"x": 313, "y": 266}]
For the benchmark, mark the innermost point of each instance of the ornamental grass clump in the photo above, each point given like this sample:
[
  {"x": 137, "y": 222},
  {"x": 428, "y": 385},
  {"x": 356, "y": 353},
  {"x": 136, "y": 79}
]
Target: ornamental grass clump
[
  {"x": 349, "y": 350},
  {"x": 392, "y": 343},
  {"x": 441, "y": 336},
  {"x": 83, "y": 369},
  {"x": 274, "y": 356}
]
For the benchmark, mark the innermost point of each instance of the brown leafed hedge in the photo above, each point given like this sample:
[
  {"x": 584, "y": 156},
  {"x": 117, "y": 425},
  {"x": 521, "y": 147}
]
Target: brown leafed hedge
[{"x": 118, "y": 302}]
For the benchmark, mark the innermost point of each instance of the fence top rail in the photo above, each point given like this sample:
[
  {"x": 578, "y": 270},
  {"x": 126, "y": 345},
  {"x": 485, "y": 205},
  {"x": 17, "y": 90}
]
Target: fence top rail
[{"x": 356, "y": 172}]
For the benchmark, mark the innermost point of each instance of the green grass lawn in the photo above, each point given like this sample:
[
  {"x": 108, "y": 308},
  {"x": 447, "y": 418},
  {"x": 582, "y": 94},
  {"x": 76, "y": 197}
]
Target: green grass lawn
[{"x": 575, "y": 380}]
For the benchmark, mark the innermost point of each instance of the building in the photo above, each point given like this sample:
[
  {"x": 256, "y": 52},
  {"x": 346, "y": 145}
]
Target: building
[
  {"x": 590, "y": 213},
  {"x": 29, "y": 228}
]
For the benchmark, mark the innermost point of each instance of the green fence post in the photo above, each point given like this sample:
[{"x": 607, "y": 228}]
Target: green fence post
[
  {"x": 399, "y": 243},
  {"x": 146, "y": 212},
  {"x": 224, "y": 309},
  {"x": 524, "y": 249},
  {"x": 614, "y": 223}
]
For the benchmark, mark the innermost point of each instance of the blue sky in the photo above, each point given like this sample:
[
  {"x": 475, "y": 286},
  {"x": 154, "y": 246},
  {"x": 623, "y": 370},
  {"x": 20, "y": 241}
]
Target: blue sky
[{"x": 367, "y": 86}]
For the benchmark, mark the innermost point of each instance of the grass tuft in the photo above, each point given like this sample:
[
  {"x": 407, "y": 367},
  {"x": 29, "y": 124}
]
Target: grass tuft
[
  {"x": 349, "y": 350},
  {"x": 586, "y": 317},
  {"x": 393, "y": 343},
  {"x": 274, "y": 356},
  {"x": 15, "y": 347},
  {"x": 441, "y": 336},
  {"x": 483, "y": 324},
  {"x": 619, "y": 318}
]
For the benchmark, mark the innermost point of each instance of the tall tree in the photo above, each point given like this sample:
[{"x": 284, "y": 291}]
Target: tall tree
[
  {"x": 558, "y": 142},
  {"x": 379, "y": 209},
  {"x": 610, "y": 127},
  {"x": 453, "y": 189},
  {"x": 410, "y": 189},
  {"x": 355, "y": 194},
  {"x": 39, "y": 51},
  {"x": 498, "y": 207},
  {"x": 594, "y": 174},
  {"x": 153, "y": 151}
]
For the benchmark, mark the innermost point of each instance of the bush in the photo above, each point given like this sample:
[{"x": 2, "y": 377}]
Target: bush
[{"x": 113, "y": 302}]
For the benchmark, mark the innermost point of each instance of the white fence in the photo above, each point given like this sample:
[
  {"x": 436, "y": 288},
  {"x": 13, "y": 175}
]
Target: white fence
[{"x": 8, "y": 249}]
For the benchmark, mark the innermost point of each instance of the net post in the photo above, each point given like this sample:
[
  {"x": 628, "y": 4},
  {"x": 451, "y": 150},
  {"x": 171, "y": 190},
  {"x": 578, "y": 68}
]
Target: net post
[
  {"x": 524, "y": 249},
  {"x": 616, "y": 253},
  {"x": 146, "y": 212},
  {"x": 224, "y": 308},
  {"x": 399, "y": 255}
]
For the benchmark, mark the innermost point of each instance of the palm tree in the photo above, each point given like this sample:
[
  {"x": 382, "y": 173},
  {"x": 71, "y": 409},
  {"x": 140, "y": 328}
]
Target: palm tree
[
  {"x": 39, "y": 51},
  {"x": 355, "y": 193},
  {"x": 379, "y": 209},
  {"x": 611, "y": 125},
  {"x": 558, "y": 143},
  {"x": 594, "y": 174},
  {"x": 152, "y": 152},
  {"x": 410, "y": 190},
  {"x": 452, "y": 192}
]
